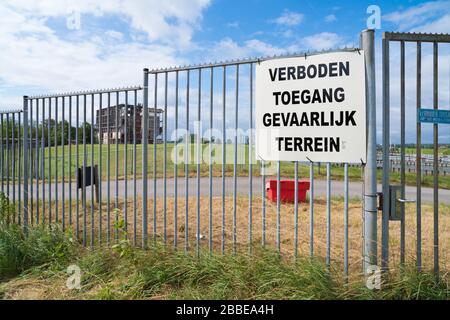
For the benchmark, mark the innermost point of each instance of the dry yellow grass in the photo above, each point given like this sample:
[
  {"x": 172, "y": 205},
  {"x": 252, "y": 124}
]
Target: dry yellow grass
[{"x": 287, "y": 227}]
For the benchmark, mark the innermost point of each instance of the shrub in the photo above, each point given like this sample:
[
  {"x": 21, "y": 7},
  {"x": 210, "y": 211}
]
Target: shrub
[{"x": 42, "y": 245}]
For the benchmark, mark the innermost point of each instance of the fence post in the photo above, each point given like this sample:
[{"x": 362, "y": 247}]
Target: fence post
[
  {"x": 370, "y": 172},
  {"x": 144, "y": 142},
  {"x": 25, "y": 164}
]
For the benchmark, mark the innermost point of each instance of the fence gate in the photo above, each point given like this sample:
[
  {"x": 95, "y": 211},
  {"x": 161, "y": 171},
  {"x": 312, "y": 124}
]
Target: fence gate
[
  {"x": 107, "y": 166},
  {"x": 422, "y": 46}
]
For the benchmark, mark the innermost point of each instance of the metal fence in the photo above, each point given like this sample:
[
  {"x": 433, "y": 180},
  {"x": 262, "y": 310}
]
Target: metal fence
[
  {"x": 66, "y": 156},
  {"x": 427, "y": 164},
  {"x": 221, "y": 95},
  {"x": 187, "y": 174},
  {"x": 11, "y": 151}
]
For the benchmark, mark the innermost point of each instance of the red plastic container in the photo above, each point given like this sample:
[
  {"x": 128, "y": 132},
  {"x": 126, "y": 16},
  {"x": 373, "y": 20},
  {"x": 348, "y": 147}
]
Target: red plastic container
[{"x": 287, "y": 190}]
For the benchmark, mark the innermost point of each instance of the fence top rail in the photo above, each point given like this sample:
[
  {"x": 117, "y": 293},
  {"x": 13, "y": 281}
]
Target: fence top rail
[
  {"x": 85, "y": 93},
  {"x": 218, "y": 64},
  {"x": 416, "y": 37},
  {"x": 9, "y": 111}
]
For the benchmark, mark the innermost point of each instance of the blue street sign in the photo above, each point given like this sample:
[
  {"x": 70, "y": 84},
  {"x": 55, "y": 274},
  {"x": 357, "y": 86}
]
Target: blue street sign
[{"x": 434, "y": 116}]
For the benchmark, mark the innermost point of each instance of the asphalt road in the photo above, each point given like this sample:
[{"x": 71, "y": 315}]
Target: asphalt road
[{"x": 337, "y": 189}]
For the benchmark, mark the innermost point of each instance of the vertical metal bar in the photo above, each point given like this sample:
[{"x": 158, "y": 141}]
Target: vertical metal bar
[
  {"x": 436, "y": 159},
  {"x": 56, "y": 160},
  {"x": 224, "y": 137},
  {"x": 77, "y": 139},
  {"x": 235, "y": 162},
  {"x": 144, "y": 159},
  {"x": 108, "y": 169},
  {"x": 63, "y": 163},
  {"x": 175, "y": 167},
  {"x": 116, "y": 198},
  {"x": 199, "y": 139},
  {"x": 278, "y": 240},
  {"x": 37, "y": 161},
  {"x": 31, "y": 162},
  {"x": 419, "y": 158},
  {"x": 186, "y": 166},
  {"x": 7, "y": 154},
  {"x": 328, "y": 256},
  {"x": 211, "y": 125},
  {"x": 125, "y": 166},
  {"x": 25, "y": 164},
  {"x": 43, "y": 159},
  {"x": 14, "y": 160},
  {"x": 155, "y": 155},
  {"x": 386, "y": 167},
  {"x": 165, "y": 156},
  {"x": 263, "y": 206},
  {"x": 311, "y": 209},
  {"x": 370, "y": 169},
  {"x": 346, "y": 222},
  {"x": 49, "y": 152},
  {"x": 250, "y": 166},
  {"x": 69, "y": 170},
  {"x": 2, "y": 169},
  {"x": 92, "y": 174},
  {"x": 100, "y": 171},
  {"x": 20, "y": 146},
  {"x": 402, "y": 152},
  {"x": 84, "y": 171},
  {"x": 134, "y": 170},
  {"x": 296, "y": 211}
]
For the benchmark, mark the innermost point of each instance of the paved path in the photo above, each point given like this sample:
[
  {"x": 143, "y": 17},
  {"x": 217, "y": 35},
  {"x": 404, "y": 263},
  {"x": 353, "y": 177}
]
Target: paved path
[{"x": 337, "y": 189}]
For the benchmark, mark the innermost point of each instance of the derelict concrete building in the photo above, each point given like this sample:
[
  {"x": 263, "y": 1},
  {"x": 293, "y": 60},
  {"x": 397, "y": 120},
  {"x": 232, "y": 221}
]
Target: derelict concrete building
[{"x": 125, "y": 117}]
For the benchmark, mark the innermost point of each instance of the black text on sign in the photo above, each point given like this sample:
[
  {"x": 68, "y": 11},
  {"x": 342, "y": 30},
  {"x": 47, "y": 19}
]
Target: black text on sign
[{"x": 312, "y": 109}]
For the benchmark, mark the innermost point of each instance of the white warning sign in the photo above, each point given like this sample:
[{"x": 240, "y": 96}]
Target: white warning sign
[{"x": 312, "y": 109}]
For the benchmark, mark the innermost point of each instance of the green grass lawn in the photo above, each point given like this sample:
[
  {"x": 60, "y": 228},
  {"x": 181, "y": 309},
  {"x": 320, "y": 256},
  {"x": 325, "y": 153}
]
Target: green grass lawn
[{"x": 125, "y": 166}]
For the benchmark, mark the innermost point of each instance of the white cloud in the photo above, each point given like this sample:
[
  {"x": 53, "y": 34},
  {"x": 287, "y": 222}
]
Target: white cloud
[
  {"x": 167, "y": 21},
  {"x": 418, "y": 15},
  {"x": 233, "y": 25},
  {"x": 227, "y": 49},
  {"x": 289, "y": 18},
  {"x": 441, "y": 25},
  {"x": 36, "y": 58},
  {"x": 287, "y": 33},
  {"x": 324, "y": 40},
  {"x": 263, "y": 48},
  {"x": 330, "y": 18},
  {"x": 114, "y": 34}
]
